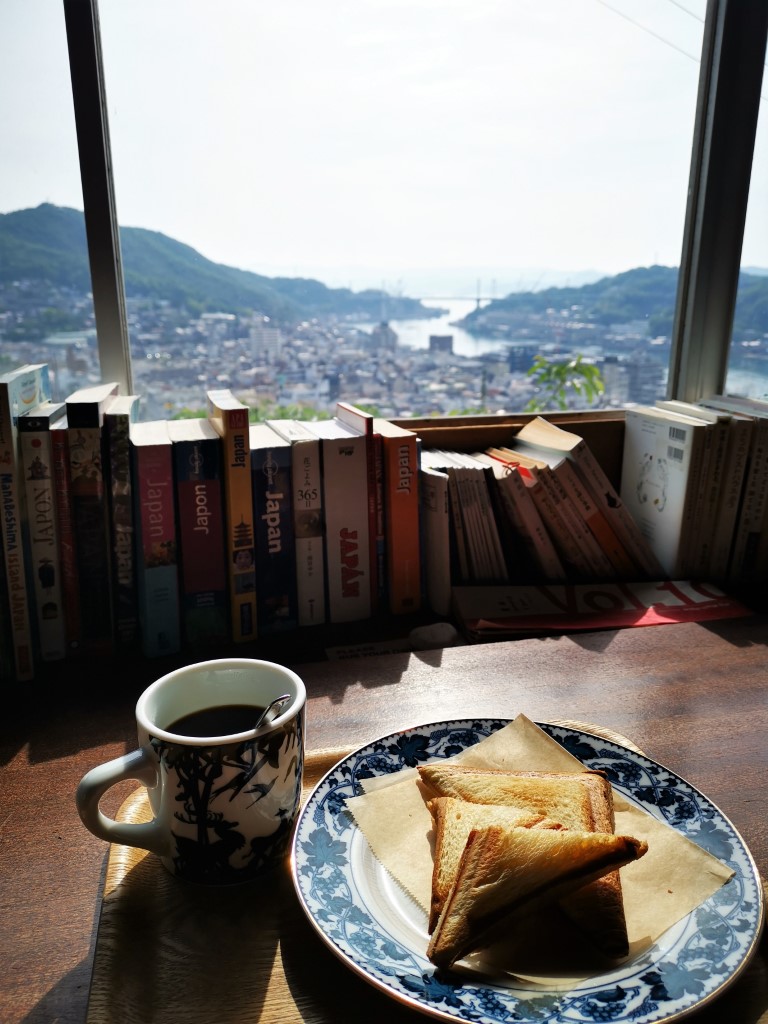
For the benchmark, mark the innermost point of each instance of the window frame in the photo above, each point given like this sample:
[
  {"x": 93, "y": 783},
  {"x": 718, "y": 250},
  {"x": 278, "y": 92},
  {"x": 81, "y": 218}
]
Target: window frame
[{"x": 730, "y": 80}]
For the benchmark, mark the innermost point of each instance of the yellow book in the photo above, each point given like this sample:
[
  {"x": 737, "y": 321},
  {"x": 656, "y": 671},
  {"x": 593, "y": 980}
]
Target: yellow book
[{"x": 230, "y": 417}]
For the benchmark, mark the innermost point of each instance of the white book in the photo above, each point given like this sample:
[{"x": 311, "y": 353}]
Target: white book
[
  {"x": 661, "y": 466},
  {"x": 347, "y": 536},
  {"x": 308, "y": 520},
  {"x": 436, "y": 539}
]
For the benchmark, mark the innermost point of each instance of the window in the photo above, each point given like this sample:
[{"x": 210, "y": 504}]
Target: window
[{"x": 451, "y": 153}]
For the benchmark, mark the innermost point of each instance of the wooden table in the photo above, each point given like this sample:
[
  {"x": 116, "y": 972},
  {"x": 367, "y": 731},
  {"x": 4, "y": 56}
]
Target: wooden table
[{"x": 694, "y": 697}]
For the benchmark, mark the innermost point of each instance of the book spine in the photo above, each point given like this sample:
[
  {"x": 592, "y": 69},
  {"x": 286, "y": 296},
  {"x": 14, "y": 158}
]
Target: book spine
[
  {"x": 68, "y": 561},
  {"x": 157, "y": 559},
  {"x": 436, "y": 534},
  {"x": 202, "y": 547},
  {"x": 744, "y": 562},
  {"x": 21, "y": 392},
  {"x": 618, "y": 515},
  {"x": 345, "y": 486},
  {"x": 736, "y": 458},
  {"x": 563, "y": 523},
  {"x": 7, "y": 665},
  {"x": 276, "y": 598},
  {"x": 241, "y": 553},
  {"x": 463, "y": 571},
  {"x": 401, "y": 519},
  {"x": 121, "y": 531},
  {"x": 381, "y": 597},
  {"x": 44, "y": 548},
  {"x": 702, "y": 548},
  {"x": 309, "y": 531},
  {"x": 600, "y": 541},
  {"x": 90, "y": 522},
  {"x": 531, "y": 525}
]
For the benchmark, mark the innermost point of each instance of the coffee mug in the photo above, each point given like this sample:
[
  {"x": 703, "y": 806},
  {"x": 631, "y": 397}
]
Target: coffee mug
[{"x": 224, "y": 795}]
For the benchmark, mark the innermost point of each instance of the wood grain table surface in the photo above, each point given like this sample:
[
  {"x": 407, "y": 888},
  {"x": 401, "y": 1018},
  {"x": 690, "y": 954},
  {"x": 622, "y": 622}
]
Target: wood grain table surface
[{"x": 692, "y": 696}]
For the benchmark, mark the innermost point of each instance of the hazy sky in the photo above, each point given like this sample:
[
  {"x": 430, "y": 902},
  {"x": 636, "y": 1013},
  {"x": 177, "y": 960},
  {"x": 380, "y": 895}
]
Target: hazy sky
[{"x": 370, "y": 142}]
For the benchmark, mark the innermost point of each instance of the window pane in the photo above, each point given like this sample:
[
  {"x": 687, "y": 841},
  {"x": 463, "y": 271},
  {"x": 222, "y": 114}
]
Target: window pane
[
  {"x": 748, "y": 359},
  {"x": 46, "y": 307},
  {"x": 446, "y": 152}
]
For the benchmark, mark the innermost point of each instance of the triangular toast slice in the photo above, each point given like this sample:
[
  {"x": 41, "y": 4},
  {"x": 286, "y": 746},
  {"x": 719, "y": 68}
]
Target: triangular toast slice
[
  {"x": 506, "y": 871},
  {"x": 453, "y": 821},
  {"x": 580, "y": 800}
]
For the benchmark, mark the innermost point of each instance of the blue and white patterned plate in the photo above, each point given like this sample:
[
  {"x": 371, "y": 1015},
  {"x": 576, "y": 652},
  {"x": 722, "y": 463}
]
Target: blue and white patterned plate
[{"x": 361, "y": 913}]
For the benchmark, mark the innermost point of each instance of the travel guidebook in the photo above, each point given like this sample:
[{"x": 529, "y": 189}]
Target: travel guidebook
[{"x": 499, "y": 613}]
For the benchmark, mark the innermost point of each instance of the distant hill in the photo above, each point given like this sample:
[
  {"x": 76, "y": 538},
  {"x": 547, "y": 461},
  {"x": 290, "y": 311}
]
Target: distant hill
[
  {"x": 48, "y": 243},
  {"x": 645, "y": 293}
]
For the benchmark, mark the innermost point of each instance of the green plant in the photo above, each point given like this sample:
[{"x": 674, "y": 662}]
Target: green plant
[{"x": 554, "y": 380}]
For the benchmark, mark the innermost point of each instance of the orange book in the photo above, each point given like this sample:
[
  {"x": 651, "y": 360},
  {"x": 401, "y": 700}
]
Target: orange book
[
  {"x": 230, "y": 418},
  {"x": 400, "y": 454}
]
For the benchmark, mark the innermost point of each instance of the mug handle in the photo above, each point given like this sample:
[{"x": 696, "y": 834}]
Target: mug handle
[{"x": 95, "y": 783}]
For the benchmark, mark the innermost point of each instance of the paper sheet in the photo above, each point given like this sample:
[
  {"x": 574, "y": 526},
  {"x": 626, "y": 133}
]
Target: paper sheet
[{"x": 661, "y": 888}]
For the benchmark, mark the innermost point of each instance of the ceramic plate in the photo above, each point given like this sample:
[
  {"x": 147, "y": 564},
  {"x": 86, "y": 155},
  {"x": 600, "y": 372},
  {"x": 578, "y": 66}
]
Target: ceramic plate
[{"x": 361, "y": 913}]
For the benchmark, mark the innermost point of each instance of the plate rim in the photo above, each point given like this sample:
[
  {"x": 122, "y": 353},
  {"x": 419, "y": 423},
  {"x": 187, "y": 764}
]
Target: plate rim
[{"x": 578, "y": 728}]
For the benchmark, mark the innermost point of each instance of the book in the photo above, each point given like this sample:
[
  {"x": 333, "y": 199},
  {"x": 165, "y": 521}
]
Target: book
[
  {"x": 400, "y": 450},
  {"x": 230, "y": 418},
  {"x": 364, "y": 423},
  {"x": 546, "y": 434},
  {"x": 747, "y": 555},
  {"x": 36, "y": 453},
  {"x": 121, "y": 413},
  {"x": 701, "y": 544},
  {"x": 661, "y": 468},
  {"x": 20, "y": 390},
  {"x": 271, "y": 468},
  {"x": 345, "y": 500},
  {"x": 90, "y": 515},
  {"x": 436, "y": 539},
  {"x": 604, "y": 555},
  {"x": 157, "y": 569},
  {"x": 566, "y": 528},
  {"x": 525, "y": 519},
  {"x": 308, "y": 519},
  {"x": 613, "y": 560},
  {"x": 498, "y": 613},
  {"x": 198, "y": 463},
  {"x": 68, "y": 558},
  {"x": 436, "y": 461}
]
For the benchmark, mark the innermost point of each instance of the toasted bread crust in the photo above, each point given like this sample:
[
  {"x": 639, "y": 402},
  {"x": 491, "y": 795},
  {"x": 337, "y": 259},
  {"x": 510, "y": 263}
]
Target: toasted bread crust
[
  {"x": 579, "y": 800},
  {"x": 504, "y": 870}
]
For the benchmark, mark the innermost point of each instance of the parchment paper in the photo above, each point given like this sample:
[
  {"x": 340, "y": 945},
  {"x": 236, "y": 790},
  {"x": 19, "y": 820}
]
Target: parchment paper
[{"x": 661, "y": 888}]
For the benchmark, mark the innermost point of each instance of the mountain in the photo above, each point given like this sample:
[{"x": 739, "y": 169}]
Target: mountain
[
  {"x": 48, "y": 243},
  {"x": 645, "y": 293}
]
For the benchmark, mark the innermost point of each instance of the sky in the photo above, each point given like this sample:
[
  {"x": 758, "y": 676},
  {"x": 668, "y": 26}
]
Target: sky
[{"x": 456, "y": 146}]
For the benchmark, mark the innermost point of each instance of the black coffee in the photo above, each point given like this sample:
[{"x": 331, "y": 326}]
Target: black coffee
[{"x": 219, "y": 721}]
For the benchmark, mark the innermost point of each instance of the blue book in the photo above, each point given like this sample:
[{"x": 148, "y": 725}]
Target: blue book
[{"x": 276, "y": 596}]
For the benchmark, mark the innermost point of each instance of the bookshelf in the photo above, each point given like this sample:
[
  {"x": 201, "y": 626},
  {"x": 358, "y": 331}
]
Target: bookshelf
[{"x": 383, "y": 632}]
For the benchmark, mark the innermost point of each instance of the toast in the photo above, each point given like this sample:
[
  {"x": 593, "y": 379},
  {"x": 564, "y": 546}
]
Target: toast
[
  {"x": 453, "y": 821},
  {"x": 582, "y": 801},
  {"x": 504, "y": 872}
]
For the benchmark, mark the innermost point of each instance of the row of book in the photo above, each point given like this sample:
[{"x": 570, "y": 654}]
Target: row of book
[{"x": 119, "y": 534}]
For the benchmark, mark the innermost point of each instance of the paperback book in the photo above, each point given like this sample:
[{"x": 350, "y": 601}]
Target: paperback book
[
  {"x": 44, "y": 546},
  {"x": 271, "y": 463},
  {"x": 157, "y": 569},
  {"x": 122, "y": 412},
  {"x": 20, "y": 390},
  {"x": 202, "y": 546}
]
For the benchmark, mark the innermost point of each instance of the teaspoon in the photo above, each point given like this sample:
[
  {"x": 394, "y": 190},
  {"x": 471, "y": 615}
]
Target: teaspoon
[{"x": 276, "y": 703}]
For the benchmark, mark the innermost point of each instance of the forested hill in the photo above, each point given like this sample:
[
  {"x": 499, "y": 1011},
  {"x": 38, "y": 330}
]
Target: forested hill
[
  {"x": 646, "y": 293},
  {"x": 48, "y": 244}
]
